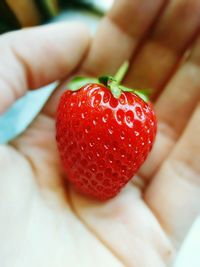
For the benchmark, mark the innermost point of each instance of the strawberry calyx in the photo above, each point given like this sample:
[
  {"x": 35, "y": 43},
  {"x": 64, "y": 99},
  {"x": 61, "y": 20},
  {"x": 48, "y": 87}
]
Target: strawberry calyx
[{"x": 113, "y": 83}]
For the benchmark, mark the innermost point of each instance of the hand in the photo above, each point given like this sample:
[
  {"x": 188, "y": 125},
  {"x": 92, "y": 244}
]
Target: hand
[{"x": 44, "y": 222}]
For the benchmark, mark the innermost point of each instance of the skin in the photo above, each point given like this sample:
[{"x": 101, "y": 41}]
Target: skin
[{"x": 44, "y": 222}]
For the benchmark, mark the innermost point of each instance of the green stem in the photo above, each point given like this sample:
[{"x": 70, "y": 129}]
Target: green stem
[
  {"x": 119, "y": 76},
  {"x": 112, "y": 83}
]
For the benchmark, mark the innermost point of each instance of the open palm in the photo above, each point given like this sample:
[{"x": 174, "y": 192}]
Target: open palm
[{"x": 43, "y": 221}]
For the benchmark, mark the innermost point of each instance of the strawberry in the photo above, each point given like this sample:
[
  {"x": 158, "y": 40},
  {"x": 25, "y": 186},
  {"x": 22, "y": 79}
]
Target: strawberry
[{"x": 104, "y": 133}]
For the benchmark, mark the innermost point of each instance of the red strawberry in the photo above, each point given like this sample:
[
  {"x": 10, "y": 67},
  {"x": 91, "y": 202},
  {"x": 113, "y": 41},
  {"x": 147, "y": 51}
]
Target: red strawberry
[{"x": 103, "y": 138}]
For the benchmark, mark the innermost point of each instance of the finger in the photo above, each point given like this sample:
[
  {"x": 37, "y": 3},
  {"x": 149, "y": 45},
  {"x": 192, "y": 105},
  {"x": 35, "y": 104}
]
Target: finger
[
  {"x": 173, "y": 33},
  {"x": 174, "y": 108},
  {"x": 119, "y": 34},
  {"x": 181, "y": 94},
  {"x": 34, "y": 57},
  {"x": 174, "y": 194}
]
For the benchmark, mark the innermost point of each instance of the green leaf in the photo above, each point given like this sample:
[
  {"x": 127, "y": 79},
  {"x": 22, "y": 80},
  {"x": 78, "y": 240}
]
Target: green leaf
[
  {"x": 142, "y": 95},
  {"x": 119, "y": 76},
  {"x": 77, "y": 82},
  {"x": 126, "y": 89},
  {"x": 112, "y": 83},
  {"x": 146, "y": 91}
]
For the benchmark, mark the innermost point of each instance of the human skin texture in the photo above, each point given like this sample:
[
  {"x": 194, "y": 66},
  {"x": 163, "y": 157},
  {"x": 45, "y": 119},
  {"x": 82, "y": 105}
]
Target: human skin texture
[{"x": 43, "y": 220}]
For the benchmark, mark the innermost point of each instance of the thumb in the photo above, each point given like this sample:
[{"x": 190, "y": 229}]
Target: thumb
[{"x": 34, "y": 57}]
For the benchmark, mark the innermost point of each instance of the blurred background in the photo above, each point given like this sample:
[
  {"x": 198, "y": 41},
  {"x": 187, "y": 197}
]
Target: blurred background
[{"x": 22, "y": 13}]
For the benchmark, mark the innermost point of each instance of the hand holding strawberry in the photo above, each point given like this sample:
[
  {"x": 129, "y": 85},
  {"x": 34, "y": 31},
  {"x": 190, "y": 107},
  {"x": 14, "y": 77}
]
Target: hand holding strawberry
[
  {"x": 40, "y": 226},
  {"x": 104, "y": 133}
]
